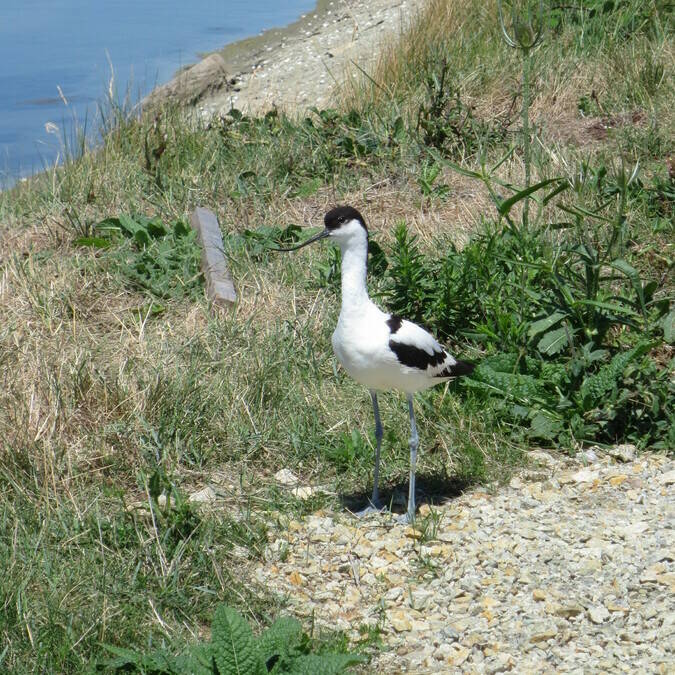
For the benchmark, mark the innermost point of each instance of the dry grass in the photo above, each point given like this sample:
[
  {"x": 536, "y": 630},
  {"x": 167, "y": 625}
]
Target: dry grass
[{"x": 487, "y": 74}]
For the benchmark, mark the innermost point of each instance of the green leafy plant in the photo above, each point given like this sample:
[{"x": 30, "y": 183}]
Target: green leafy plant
[
  {"x": 162, "y": 260},
  {"x": 526, "y": 35},
  {"x": 234, "y": 650},
  {"x": 410, "y": 281},
  {"x": 350, "y": 450},
  {"x": 259, "y": 241},
  {"x": 429, "y": 525},
  {"x": 427, "y": 178},
  {"x": 621, "y": 18},
  {"x": 348, "y": 136},
  {"x": 446, "y": 123},
  {"x": 563, "y": 312}
]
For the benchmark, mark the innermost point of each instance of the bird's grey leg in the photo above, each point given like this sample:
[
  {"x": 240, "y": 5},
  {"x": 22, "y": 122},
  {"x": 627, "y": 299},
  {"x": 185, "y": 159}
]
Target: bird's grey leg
[
  {"x": 375, "y": 500},
  {"x": 375, "y": 504},
  {"x": 414, "y": 444}
]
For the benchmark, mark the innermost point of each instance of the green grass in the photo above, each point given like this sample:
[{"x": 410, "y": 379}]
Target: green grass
[{"x": 114, "y": 391}]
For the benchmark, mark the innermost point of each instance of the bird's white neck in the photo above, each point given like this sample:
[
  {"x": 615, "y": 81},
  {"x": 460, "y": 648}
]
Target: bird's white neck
[{"x": 354, "y": 262}]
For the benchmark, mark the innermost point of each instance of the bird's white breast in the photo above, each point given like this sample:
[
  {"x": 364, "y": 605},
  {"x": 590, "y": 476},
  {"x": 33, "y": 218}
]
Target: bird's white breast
[{"x": 361, "y": 344}]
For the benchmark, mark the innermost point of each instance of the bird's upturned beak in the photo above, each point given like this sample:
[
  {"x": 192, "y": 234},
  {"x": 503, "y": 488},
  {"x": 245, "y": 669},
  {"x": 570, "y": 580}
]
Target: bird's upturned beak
[{"x": 316, "y": 237}]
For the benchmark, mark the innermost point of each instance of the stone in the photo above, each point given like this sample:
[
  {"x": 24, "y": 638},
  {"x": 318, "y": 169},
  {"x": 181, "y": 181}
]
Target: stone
[
  {"x": 240, "y": 552},
  {"x": 400, "y": 621},
  {"x": 568, "y": 611},
  {"x": 651, "y": 574},
  {"x": 204, "y": 496},
  {"x": 585, "y": 476},
  {"x": 420, "y": 598},
  {"x": 668, "y": 579},
  {"x": 615, "y": 481},
  {"x": 633, "y": 530},
  {"x": 393, "y": 594},
  {"x": 598, "y": 614},
  {"x": 667, "y": 478},
  {"x": 498, "y": 663},
  {"x": 543, "y": 458},
  {"x": 458, "y": 656},
  {"x": 626, "y": 452},
  {"x": 567, "y": 577},
  {"x": 443, "y": 651},
  {"x": 376, "y": 562},
  {"x": 590, "y": 456},
  {"x": 296, "y": 579},
  {"x": 302, "y": 492},
  {"x": 612, "y": 607},
  {"x": 217, "y": 278},
  {"x": 285, "y": 477},
  {"x": 544, "y": 635},
  {"x": 664, "y": 554}
]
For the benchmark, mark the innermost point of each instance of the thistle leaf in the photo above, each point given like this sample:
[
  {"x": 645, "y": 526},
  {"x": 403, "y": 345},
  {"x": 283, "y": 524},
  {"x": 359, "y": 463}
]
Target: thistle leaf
[
  {"x": 596, "y": 386},
  {"x": 505, "y": 206},
  {"x": 554, "y": 341},
  {"x": 280, "y": 639},
  {"x": 326, "y": 664},
  {"x": 544, "y": 324},
  {"x": 634, "y": 277},
  {"x": 545, "y": 426}
]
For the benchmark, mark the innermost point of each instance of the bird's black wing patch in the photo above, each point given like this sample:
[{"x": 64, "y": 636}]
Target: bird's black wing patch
[
  {"x": 457, "y": 369},
  {"x": 414, "y": 357},
  {"x": 394, "y": 322}
]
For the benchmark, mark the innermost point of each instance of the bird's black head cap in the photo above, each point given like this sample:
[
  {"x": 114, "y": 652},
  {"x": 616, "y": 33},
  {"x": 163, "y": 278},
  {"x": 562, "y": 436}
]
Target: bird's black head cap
[{"x": 340, "y": 215}]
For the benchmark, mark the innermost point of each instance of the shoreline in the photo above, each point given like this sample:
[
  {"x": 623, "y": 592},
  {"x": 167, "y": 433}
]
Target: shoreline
[
  {"x": 240, "y": 56},
  {"x": 291, "y": 67}
]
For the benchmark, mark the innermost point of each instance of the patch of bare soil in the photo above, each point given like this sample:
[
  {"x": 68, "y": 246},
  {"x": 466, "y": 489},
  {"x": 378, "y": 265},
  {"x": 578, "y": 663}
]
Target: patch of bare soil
[{"x": 570, "y": 128}]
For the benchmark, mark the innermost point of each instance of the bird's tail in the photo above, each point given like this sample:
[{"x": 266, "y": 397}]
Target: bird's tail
[{"x": 458, "y": 369}]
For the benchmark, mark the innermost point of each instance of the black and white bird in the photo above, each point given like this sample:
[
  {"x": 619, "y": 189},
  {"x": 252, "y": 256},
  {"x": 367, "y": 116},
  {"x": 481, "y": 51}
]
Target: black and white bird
[{"x": 380, "y": 350}]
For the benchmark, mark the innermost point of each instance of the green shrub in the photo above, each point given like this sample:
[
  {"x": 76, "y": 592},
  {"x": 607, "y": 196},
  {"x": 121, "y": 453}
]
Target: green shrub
[{"x": 571, "y": 339}]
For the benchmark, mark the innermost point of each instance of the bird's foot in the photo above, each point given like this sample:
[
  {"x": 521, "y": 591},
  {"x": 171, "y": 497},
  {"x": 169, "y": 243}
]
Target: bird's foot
[
  {"x": 405, "y": 518},
  {"x": 373, "y": 507}
]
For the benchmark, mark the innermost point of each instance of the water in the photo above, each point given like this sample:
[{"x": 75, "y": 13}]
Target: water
[{"x": 70, "y": 44}]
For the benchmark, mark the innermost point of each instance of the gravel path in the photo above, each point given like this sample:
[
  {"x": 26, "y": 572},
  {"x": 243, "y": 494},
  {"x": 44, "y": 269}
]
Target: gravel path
[{"x": 571, "y": 574}]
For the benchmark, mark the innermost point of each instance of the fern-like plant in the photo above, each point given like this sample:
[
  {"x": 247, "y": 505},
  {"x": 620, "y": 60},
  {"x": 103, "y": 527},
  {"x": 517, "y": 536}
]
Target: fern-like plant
[{"x": 234, "y": 650}]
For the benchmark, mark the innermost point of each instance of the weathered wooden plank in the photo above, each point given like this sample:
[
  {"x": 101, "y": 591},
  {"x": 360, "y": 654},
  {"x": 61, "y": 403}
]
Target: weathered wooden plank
[{"x": 219, "y": 286}]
